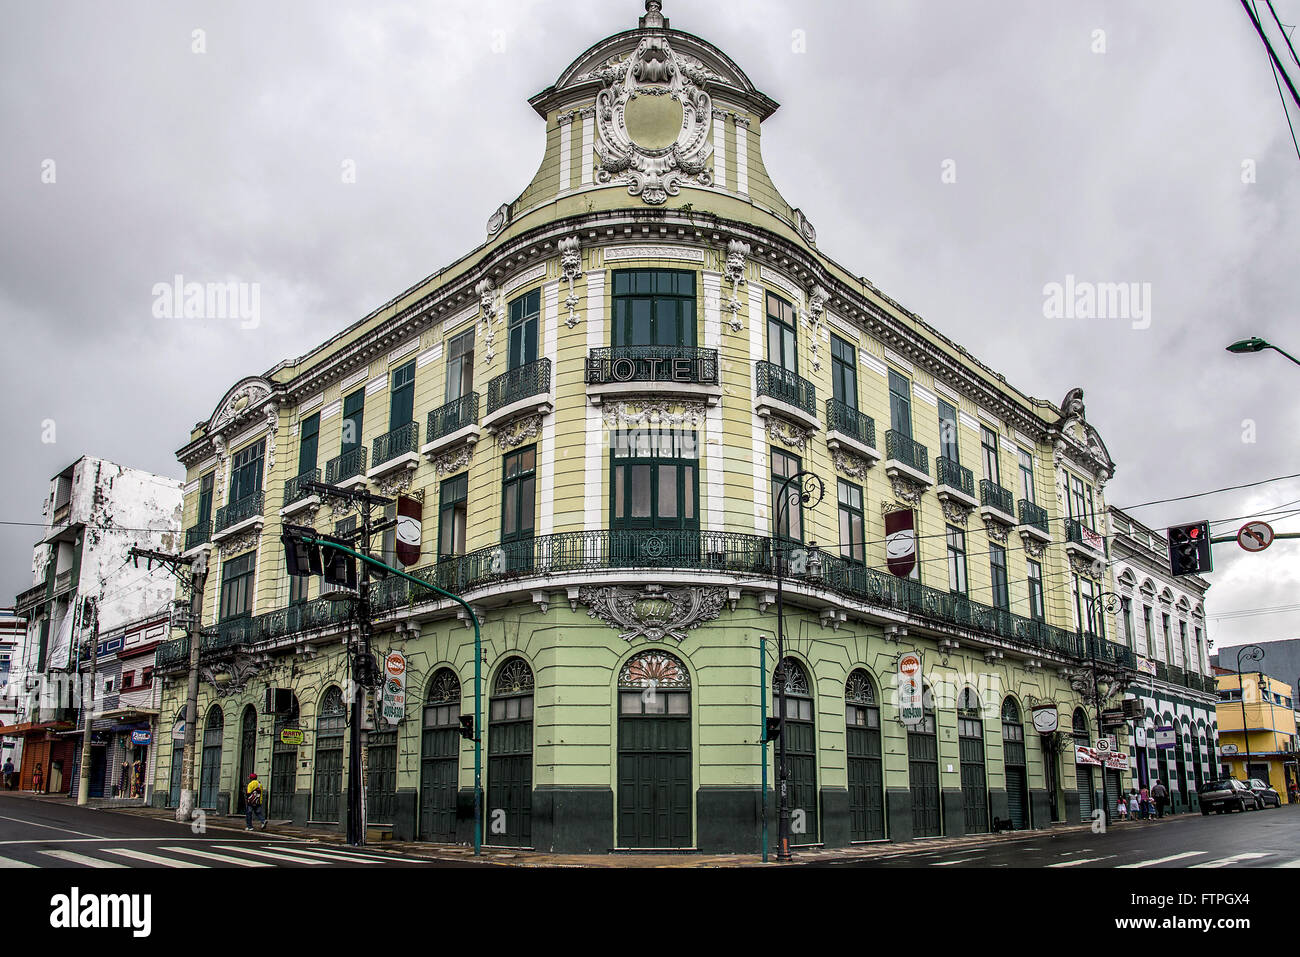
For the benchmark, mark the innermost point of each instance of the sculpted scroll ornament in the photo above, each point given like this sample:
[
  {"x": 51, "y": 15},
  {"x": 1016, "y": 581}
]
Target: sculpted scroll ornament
[
  {"x": 787, "y": 434},
  {"x": 240, "y": 543},
  {"x": 737, "y": 256},
  {"x": 571, "y": 268},
  {"x": 487, "y": 299},
  {"x": 849, "y": 464},
  {"x": 1033, "y": 547},
  {"x": 618, "y": 414},
  {"x": 519, "y": 431},
  {"x": 955, "y": 512},
  {"x": 906, "y": 490},
  {"x": 997, "y": 532},
  {"x": 240, "y": 670},
  {"x": 454, "y": 460},
  {"x": 654, "y": 174},
  {"x": 653, "y": 614}
]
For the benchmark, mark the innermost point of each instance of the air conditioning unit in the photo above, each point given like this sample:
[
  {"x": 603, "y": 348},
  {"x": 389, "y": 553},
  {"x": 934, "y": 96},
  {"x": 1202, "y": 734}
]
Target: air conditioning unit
[
  {"x": 1132, "y": 708},
  {"x": 278, "y": 701}
]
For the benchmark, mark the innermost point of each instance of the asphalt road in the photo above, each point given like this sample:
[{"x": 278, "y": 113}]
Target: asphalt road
[
  {"x": 1269, "y": 838},
  {"x": 36, "y": 833}
]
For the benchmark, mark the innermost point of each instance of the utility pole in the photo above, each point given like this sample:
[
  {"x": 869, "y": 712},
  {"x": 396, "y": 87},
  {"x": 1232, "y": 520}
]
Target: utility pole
[
  {"x": 88, "y": 610},
  {"x": 198, "y": 565}
]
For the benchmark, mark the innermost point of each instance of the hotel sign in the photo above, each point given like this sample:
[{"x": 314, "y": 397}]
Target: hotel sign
[{"x": 622, "y": 368}]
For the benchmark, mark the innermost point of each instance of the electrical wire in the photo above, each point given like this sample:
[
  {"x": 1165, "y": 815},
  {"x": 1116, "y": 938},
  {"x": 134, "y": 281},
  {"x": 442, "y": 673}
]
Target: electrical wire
[{"x": 1285, "y": 112}]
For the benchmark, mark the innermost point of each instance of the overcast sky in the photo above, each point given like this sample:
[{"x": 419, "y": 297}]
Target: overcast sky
[{"x": 1113, "y": 156}]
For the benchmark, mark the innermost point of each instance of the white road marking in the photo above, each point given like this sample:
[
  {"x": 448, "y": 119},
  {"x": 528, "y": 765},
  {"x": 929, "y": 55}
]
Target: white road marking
[
  {"x": 1235, "y": 859},
  {"x": 1162, "y": 860},
  {"x": 1295, "y": 863},
  {"x": 52, "y": 827},
  {"x": 1082, "y": 860},
  {"x": 82, "y": 859},
  {"x": 10, "y": 862},
  {"x": 274, "y": 857},
  {"x": 150, "y": 858},
  {"x": 946, "y": 863},
  {"x": 332, "y": 855},
  {"x": 223, "y": 858}
]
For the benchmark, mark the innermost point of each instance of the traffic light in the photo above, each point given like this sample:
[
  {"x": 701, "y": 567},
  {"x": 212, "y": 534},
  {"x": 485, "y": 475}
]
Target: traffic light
[
  {"x": 773, "y": 729},
  {"x": 1189, "y": 549},
  {"x": 467, "y": 726},
  {"x": 338, "y": 567},
  {"x": 302, "y": 560}
]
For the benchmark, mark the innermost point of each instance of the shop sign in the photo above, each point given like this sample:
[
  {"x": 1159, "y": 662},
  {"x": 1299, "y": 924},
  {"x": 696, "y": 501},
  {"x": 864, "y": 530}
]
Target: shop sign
[
  {"x": 1166, "y": 737},
  {"x": 1108, "y": 759},
  {"x": 1140, "y": 736},
  {"x": 910, "y": 705},
  {"x": 1144, "y": 666},
  {"x": 1117, "y": 761},
  {"x": 1045, "y": 718},
  {"x": 141, "y": 737},
  {"x": 1086, "y": 755},
  {"x": 900, "y": 542},
  {"x": 178, "y": 731},
  {"x": 1228, "y": 749},
  {"x": 291, "y": 736},
  {"x": 394, "y": 703}
]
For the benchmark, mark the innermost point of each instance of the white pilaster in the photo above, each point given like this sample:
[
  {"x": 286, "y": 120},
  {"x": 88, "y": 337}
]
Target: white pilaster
[
  {"x": 566, "y": 160},
  {"x": 588, "y": 145},
  {"x": 713, "y": 445},
  {"x": 593, "y": 501},
  {"x": 719, "y": 149},
  {"x": 762, "y": 468},
  {"x": 546, "y": 457},
  {"x": 742, "y": 157}
]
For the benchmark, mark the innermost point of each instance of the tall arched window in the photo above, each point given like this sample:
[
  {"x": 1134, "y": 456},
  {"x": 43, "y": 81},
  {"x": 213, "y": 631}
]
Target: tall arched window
[
  {"x": 970, "y": 749},
  {"x": 327, "y": 785},
  {"x": 510, "y": 756},
  {"x": 1083, "y": 772},
  {"x": 866, "y": 774},
  {"x": 1013, "y": 760},
  {"x": 655, "y": 790},
  {"x": 800, "y": 749},
  {"x": 178, "y": 759},
  {"x": 440, "y": 758},
  {"x": 210, "y": 772}
]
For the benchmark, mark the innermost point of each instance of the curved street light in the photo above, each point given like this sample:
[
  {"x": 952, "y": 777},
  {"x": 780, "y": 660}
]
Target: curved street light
[
  {"x": 1256, "y": 344},
  {"x": 1251, "y": 653},
  {"x": 1097, "y": 684},
  {"x": 812, "y": 491}
]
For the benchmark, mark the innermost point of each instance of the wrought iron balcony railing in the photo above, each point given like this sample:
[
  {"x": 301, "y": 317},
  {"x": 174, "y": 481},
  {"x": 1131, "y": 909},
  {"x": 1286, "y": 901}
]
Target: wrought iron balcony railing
[
  {"x": 949, "y": 473},
  {"x": 295, "y": 490},
  {"x": 849, "y": 421},
  {"x": 1035, "y": 515},
  {"x": 731, "y": 552},
  {"x": 995, "y": 496},
  {"x": 236, "y": 512},
  {"x": 1110, "y": 652},
  {"x": 907, "y": 450},
  {"x": 400, "y": 441},
  {"x": 1162, "y": 671},
  {"x": 172, "y": 653},
  {"x": 685, "y": 364},
  {"x": 785, "y": 386},
  {"x": 1080, "y": 534},
  {"x": 520, "y": 383},
  {"x": 198, "y": 534},
  {"x": 453, "y": 416},
  {"x": 350, "y": 464}
]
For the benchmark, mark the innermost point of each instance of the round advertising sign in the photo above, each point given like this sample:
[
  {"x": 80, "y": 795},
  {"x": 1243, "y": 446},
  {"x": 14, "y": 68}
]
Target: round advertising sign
[
  {"x": 910, "y": 663},
  {"x": 396, "y": 664}
]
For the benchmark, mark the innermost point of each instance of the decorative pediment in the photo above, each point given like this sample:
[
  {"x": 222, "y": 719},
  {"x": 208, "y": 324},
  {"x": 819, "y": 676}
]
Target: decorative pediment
[
  {"x": 239, "y": 404},
  {"x": 653, "y": 613},
  {"x": 1078, "y": 440}
]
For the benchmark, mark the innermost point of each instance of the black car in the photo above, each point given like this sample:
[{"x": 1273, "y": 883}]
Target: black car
[
  {"x": 1267, "y": 795},
  {"x": 1226, "y": 794}
]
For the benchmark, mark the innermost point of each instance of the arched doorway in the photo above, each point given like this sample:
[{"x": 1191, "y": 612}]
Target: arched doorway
[
  {"x": 210, "y": 769},
  {"x": 440, "y": 758},
  {"x": 1083, "y": 772},
  {"x": 1013, "y": 760},
  {"x": 178, "y": 760},
  {"x": 247, "y": 755},
  {"x": 284, "y": 765},
  {"x": 800, "y": 750},
  {"x": 510, "y": 756},
  {"x": 866, "y": 775},
  {"x": 327, "y": 784},
  {"x": 654, "y": 752},
  {"x": 970, "y": 749},
  {"x": 923, "y": 771}
]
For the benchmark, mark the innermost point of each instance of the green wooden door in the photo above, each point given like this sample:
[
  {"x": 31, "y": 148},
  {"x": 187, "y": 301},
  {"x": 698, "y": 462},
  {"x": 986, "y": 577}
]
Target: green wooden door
[
  {"x": 327, "y": 782},
  {"x": 655, "y": 787},
  {"x": 381, "y": 777},
  {"x": 440, "y": 759},
  {"x": 800, "y": 752},
  {"x": 923, "y": 771},
  {"x": 1013, "y": 757},
  {"x": 866, "y": 776},
  {"x": 210, "y": 768},
  {"x": 974, "y": 789},
  {"x": 178, "y": 761},
  {"x": 284, "y": 767},
  {"x": 510, "y": 757},
  {"x": 247, "y": 756}
]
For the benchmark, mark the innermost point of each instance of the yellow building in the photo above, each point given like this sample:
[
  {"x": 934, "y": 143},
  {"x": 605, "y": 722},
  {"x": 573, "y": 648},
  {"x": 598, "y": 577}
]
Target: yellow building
[{"x": 1270, "y": 723}]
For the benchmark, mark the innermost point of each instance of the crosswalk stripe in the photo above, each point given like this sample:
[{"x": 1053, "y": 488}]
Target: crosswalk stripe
[
  {"x": 1295, "y": 863},
  {"x": 150, "y": 858},
  {"x": 1162, "y": 860},
  {"x": 222, "y": 858},
  {"x": 10, "y": 862},
  {"x": 1081, "y": 860},
  {"x": 73, "y": 858},
  {"x": 1234, "y": 859},
  {"x": 331, "y": 855},
  {"x": 274, "y": 857}
]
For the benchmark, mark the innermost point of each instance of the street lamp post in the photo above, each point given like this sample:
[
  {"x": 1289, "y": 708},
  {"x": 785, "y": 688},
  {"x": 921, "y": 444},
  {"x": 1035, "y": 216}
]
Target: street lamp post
[
  {"x": 1252, "y": 653},
  {"x": 812, "y": 491},
  {"x": 1097, "y": 684},
  {"x": 1256, "y": 344}
]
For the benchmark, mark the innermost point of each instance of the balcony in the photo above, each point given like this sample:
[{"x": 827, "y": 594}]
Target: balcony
[
  {"x": 521, "y": 391},
  {"x": 451, "y": 426},
  {"x": 63, "y": 582},
  {"x": 1083, "y": 541},
  {"x": 396, "y": 451},
  {"x": 197, "y": 535},
  {"x": 996, "y": 504},
  {"x": 241, "y": 516},
  {"x": 347, "y": 469},
  {"x": 780, "y": 391},
  {"x": 298, "y": 497},
  {"x": 955, "y": 482},
  {"x": 1109, "y": 652},
  {"x": 907, "y": 458},
  {"x": 662, "y": 371},
  {"x": 849, "y": 429},
  {"x": 30, "y": 600},
  {"x": 1034, "y": 522}
]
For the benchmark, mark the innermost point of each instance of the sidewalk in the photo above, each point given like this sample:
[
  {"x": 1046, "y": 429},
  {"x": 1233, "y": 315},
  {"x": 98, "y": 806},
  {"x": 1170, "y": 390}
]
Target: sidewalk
[{"x": 522, "y": 858}]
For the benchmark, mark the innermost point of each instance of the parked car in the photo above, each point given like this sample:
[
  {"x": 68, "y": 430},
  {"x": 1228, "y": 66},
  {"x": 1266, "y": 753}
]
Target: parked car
[
  {"x": 1225, "y": 794},
  {"x": 1267, "y": 795}
]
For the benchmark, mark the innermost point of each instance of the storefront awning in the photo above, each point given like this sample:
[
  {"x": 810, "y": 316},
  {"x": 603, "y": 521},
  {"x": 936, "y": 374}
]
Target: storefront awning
[{"x": 29, "y": 727}]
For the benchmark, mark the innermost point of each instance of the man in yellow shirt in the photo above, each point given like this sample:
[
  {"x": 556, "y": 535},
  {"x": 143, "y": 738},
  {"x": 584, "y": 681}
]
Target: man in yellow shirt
[{"x": 253, "y": 803}]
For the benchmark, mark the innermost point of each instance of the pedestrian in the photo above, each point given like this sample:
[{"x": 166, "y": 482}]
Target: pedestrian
[
  {"x": 1133, "y": 804},
  {"x": 1161, "y": 796},
  {"x": 253, "y": 803},
  {"x": 1144, "y": 802},
  {"x": 38, "y": 780},
  {"x": 1121, "y": 808},
  {"x": 9, "y": 774}
]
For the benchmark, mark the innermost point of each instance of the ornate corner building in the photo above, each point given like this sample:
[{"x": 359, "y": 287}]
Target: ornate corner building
[{"x": 594, "y": 411}]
